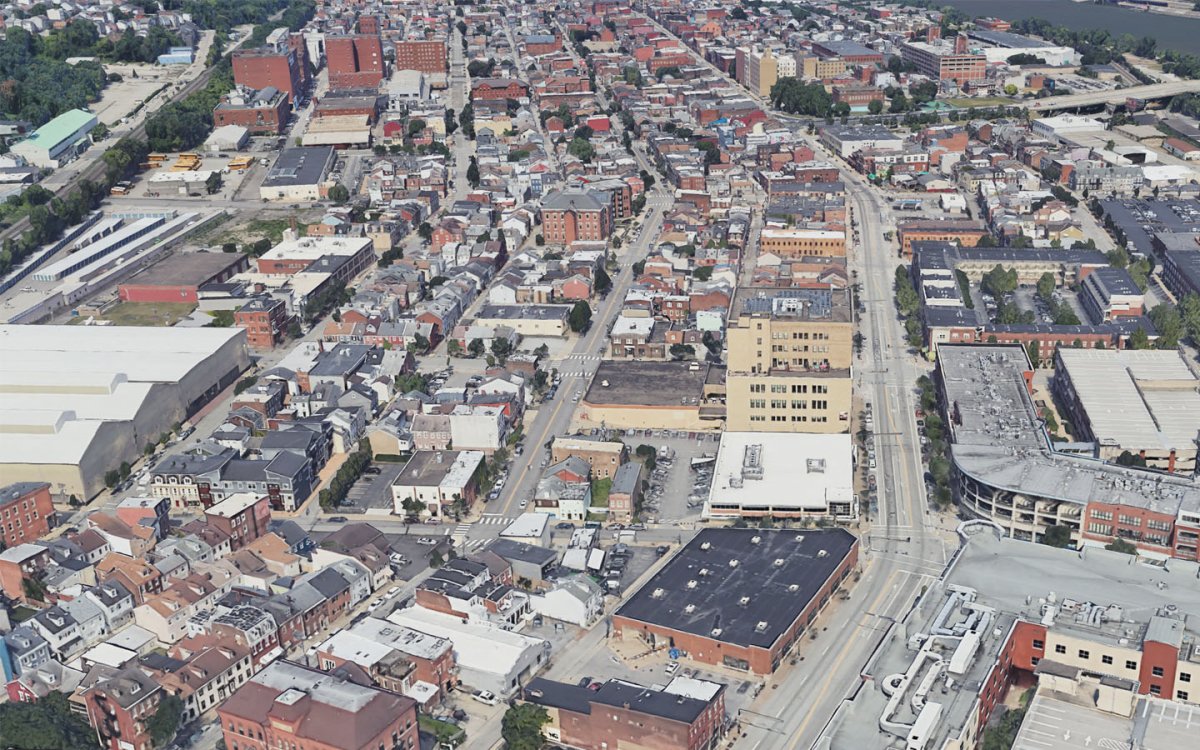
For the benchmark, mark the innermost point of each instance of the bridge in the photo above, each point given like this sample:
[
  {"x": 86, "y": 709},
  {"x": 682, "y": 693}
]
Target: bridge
[{"x": 1112, "y": 96}]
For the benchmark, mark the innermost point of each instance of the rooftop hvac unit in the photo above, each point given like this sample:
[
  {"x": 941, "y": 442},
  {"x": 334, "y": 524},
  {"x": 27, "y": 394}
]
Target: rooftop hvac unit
[
  {"x": 733, "y": 563},
  {"x": 744, "y": 601},
  {"x": 691, "y": 584}
]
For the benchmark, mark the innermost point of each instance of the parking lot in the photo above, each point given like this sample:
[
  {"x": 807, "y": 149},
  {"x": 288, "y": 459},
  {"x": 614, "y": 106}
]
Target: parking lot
[
  {"x": 372, "y": 492},
  {"x": 676, "y": 493}
]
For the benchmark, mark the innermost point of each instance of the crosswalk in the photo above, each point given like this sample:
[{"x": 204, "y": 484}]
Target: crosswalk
[
  {"x": 494, "y": 521},
  {"x": 578, "y": 365}
]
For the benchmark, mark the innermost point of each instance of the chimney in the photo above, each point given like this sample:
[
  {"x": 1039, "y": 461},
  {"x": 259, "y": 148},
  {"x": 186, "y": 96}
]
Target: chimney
[{"x": 960, "y": 44}]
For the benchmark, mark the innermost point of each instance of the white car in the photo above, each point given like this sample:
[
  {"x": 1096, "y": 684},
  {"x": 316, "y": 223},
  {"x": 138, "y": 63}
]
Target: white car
[
  {"x": 522, "y": 504},
  {"x": 483, "y": 696},
  {"x": 392, "y": 591},
  {"x": 672, "y": 667}
]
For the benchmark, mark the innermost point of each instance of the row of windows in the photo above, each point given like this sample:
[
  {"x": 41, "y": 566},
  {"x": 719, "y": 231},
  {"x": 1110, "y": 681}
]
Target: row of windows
[{"x": 795, "y": 389}]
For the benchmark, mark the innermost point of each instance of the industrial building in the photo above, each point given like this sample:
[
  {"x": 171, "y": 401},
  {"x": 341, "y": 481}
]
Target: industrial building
[
  {"x": 58, "y": 141},
  {"x": 77, "y": 401},
  {"x": 1109, "y": 649},
  {"x": 782, "y": 476},
  {"x": 739, "y": 598},
  {"x": 298, "y": 175},
  {"x": 1144, "y": 402},
  {"x": 178, "y": 277},
  {"x": 1006, "y": 470}
]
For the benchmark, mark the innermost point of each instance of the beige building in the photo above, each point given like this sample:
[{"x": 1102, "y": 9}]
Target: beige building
[
  {"x": 762, "y": 71},
  {"x": 790, "y": 353},
  {"x": 812, "y": 66},
  {"x": 654, "y": 395}
]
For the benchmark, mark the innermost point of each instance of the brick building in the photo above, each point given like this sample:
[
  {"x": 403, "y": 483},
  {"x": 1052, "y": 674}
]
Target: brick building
[
  {"x": 120, "y": 707},
  {"x": 289, "y": 705},
  {"x": 265, "y": 320},
  {"x": 575, "y": 216},
  {"x": 283, "y": 66},
  {"x": 179, "y": 277},
  {"x": 26, "y": 512},
  {"x": 681, "y": 715},
  {"x": 425, "y": 55},
  {"x": 355, "y": 61},
  {"x": 605, "y": 457},
  {"x": 739, "y": 598},
  {"x": 498, "y": 88},
  {"x": 262, "y": 112},
  {"x": 243, "y": 516}
]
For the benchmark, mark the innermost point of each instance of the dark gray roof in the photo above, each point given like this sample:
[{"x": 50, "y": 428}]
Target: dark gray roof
[
  {"x": 299, "y": 166},
  {"x": 578, "y": 200},
  {"x": 15, "y": 490},
  {"x": 329, "y": 582},
  {"x": 626, "y": 479},
  {"x": 530, "y": 553},
  {"x": 617, "y": 693},
  {"x": 749, "y": 585}
]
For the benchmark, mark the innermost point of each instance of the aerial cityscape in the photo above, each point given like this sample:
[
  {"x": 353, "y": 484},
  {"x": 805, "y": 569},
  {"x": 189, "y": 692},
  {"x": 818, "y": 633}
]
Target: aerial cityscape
[{"x": 600, "y": 375}]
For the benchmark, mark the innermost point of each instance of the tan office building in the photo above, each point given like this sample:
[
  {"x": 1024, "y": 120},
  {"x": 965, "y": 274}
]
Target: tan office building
[{"x": 790, "y": 354}]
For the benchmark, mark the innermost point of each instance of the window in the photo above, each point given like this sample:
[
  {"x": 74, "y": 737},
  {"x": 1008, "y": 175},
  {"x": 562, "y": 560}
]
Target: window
[
  {"x": 1155, "y": 690},
  {"x": 1085, "y": 654},
  {"x": 1131, "y": 664},
  {"x": 1035, "y": 661},
  {"x": 1039, "y": 644},
  {"x": 1181, "y": 695},
  {"x": 1185, "y": 676},
  {"x": 1106, "y": 659},
  {"x": 1060, "y": 649},
  {"x": 1156, "y": 671}
]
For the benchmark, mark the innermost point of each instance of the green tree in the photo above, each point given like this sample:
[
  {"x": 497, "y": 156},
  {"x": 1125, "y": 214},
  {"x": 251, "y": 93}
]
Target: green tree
[
  {"x": 473, "y": 173},
  {"x": 875, "y": 106},
  {"x": 1139, "y": 339},
  {"x": 1057, "y": 536},
  {"x": 221, "y": 319},
  {"x": 47, "y": 724},
  {"x": 1122, "y": 546},
  {"x": 339, "y": 194},
  {"x": 602, "y": 281},
  {"x": 580, "y": 317},
  {"x": 1035, "y": 358},
  {"x": 703, "y": 273},
  {"x": 165, "y": 721},
  {"x": 425, "y": 231},
  {"x": 453, "y": 348},
  {"x": 1000, "y": 281},
  {"x": 582, "y": 149},
  {"x": 501, "y": 348},
  {"x": 682, "y": 351},
  {"x": 476, "y": 347},
  {"x": 1046, "y": 285}
]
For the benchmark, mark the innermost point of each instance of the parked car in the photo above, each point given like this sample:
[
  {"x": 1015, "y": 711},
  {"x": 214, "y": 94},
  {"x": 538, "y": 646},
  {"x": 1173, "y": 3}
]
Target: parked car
[
  {"x": 338, "y": 519},
  {"x": 564, "y": 525},
  {"x": 485, "y": 697},
  {"x": 671, "y": 667}
]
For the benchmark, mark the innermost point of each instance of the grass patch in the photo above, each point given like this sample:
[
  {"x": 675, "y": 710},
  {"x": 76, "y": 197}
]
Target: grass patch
[
  {"x": 22, "y": 613},
  {"x": 967, "y": 102},
  {"x": 272, "y": 229},
  {"x": 444, "y": 731},
  {"x": 148, "y": 314},
  {"x": 600, "y": 491}
]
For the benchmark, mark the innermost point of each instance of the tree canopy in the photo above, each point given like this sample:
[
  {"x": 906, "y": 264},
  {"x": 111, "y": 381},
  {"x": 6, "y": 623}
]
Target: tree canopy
[
  {"x": 522, "y": 725},
  {"x": 48, "y": 724},
  {"x": 792, "y": 95}
]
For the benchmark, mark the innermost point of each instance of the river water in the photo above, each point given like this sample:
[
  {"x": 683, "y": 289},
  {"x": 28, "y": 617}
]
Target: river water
[{"x": 1172, "y": 32}]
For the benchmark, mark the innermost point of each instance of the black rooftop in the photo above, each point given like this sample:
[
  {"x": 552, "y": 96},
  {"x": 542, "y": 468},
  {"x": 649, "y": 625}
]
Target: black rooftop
[{"x": 748, "y": 584}]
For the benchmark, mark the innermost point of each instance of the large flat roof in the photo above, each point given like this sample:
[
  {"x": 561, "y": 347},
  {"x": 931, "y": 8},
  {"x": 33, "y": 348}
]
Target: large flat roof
[
  {"x": 781, "y": 471},
  {"x": 650, "y": 383},
  {"x": 1016, "y": 580},
  {"x": 742, "y": 586},
  {"x": 478, "y": 647},
  {"x": 1136, "y": 398},
  {"x": 186, "y": 268},
  {"x": 997, "y": 438}
]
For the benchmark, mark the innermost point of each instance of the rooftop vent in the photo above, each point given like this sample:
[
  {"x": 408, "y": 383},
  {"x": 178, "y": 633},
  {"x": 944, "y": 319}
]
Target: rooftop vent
[
  {"x": 794, "y": 587},
  {"x": 705, "y": 545},
  {"x": 779, "y": 562},
  {"x": 799, "y": 537},
  {"x": 691, "y": 584},
  {"x": 755, "y": 539},
  {"x": 733, "y": 563},
  {"x": 658, "y": 593},
  {"x": 761, "y": 627},
  {"x": 744, "y": 601},
  {"x": 716, "y": 632},
  {"x": 822, "y": 553},
  {"x": 705, "y": 572},
  {"x": 690, "y": 608}
]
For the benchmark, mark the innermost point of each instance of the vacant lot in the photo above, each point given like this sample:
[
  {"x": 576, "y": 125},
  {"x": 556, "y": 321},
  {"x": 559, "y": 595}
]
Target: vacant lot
[
  {"x": 147, "y": 313},
  {"x": 984, "y": 101}
]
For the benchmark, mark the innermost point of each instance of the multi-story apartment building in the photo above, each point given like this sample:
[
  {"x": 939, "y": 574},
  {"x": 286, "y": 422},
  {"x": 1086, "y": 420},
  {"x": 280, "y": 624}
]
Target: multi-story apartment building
[
  {"x": 946, "y": 61},
  {"x": 425, "y": 55},
  {"x": 265, "y": 320},
  {"x": 355, "y": 61},
  {"x": 790, "y": 354},
  {"x": 282, "y": 63},
  {"x": 570, "y": 216},
  {"x": 758, "y": 70},
  {"x": 26, "y": 512}
]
